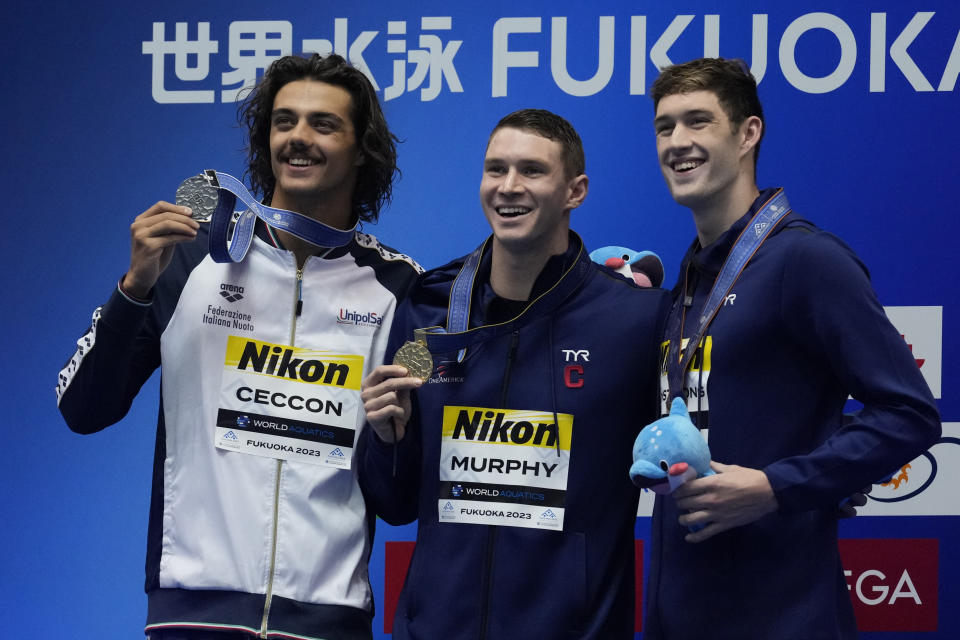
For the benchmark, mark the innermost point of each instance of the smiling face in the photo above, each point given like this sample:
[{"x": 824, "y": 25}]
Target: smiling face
[
  {"x": 313, "y": 147},
  {"x": 705, "y": 159},
  {"x": 526, "y": 193}
]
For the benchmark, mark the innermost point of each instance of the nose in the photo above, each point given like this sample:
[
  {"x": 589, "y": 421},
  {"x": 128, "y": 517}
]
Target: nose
[
  {"x": 680, "y": 137},
  {"x": 298, "y": 134},
  {"x": 511, "y": 182}
]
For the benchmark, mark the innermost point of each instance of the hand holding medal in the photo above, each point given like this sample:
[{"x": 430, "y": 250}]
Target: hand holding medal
[{"x": 386, "y": 390}]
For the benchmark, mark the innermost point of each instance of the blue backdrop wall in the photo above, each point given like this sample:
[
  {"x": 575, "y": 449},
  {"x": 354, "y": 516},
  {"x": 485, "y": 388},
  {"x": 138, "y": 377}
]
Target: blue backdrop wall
[{"x": 108, "y": 106}]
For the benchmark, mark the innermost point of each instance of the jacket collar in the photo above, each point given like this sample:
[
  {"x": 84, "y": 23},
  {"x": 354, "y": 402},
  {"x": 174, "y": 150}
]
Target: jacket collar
[{"x": 563, "y": 275}]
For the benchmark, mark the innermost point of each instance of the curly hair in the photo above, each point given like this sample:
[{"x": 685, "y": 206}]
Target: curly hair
[
  {"x": 375, "y": 176},
  {"x": 729, "y": 79},
  {"x": 552, "y": 127}
]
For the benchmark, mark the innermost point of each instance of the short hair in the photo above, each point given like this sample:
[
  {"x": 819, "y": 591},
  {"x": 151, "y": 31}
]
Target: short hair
[
  {"x": 553, "y": 127},
  {"x": 375, "y": 176},
  {"x": 729, "y": 79}
]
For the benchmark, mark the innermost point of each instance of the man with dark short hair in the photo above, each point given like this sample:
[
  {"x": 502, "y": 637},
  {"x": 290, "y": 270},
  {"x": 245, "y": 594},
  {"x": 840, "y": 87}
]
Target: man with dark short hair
[
  {"x": 257, "y": 524},
  {"x": 512, "y": 449},
  {"x": 773, "y": 325}
]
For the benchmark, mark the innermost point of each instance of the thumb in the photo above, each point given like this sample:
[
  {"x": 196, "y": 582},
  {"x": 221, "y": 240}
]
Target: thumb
[{"x": 719, "y": 467}]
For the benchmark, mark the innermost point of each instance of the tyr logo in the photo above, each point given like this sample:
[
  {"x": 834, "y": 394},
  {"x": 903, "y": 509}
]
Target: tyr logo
[
  {"x": 573, "y": 373},
  {"x": 730, "y": 299},
  {"x": 576, "y": 355}
]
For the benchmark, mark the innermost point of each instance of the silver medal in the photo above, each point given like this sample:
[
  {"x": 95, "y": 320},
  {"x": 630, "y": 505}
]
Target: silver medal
[{"x": 198, "y": 194}]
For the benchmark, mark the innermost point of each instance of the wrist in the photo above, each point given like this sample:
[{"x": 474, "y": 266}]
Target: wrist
[{"x": 133, "y": 290}]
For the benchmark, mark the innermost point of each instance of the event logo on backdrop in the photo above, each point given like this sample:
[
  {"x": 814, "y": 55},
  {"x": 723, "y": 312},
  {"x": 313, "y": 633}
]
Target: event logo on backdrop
[
  {"x": 893, "y": 584},
  {"x": 422, "y": 55}
]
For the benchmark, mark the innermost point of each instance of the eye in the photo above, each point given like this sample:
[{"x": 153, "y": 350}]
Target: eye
[
  {"x": 664, "y": 130},
  {"x": 664, "y": 465},
  {"x": 624, "y": 257}
]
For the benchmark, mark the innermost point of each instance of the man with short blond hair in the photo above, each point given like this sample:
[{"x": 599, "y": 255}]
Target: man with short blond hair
[{"x": 512, "y": 453}]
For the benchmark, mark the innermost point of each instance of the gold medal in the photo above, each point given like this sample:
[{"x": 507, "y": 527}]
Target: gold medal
[{"x": 415, "y": 358}]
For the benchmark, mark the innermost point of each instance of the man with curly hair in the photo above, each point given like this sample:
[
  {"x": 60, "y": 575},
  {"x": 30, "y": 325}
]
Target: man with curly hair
[{"x": 257, "y": 523}]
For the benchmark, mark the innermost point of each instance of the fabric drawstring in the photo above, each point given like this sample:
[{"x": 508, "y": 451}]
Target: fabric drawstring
[
  {"x": 553, "y": 383},
  {"x": 396, "y": 445}
]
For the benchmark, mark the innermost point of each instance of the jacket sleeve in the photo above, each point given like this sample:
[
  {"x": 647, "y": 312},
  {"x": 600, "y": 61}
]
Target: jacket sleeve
[
  {"x": 829, "y": 306},
  {"x": 115, "y": 356},
  {"x": 389, "y": 474}
]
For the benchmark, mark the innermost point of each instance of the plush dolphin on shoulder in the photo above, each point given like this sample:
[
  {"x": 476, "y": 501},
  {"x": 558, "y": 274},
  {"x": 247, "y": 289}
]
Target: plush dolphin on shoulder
[
  {"x": 669, "y": 452},
  {"x": 643, "y": 267}
]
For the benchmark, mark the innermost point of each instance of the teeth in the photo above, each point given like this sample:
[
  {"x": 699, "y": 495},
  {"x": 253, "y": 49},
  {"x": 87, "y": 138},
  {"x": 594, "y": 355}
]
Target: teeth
[
  {"x": 687, "y": 164},
  {"x": 300, "y": 162},
  {"x": 512, "y": 211}
]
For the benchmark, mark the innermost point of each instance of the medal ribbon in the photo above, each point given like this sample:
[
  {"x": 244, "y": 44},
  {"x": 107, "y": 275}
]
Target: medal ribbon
[
  {"x": 229, "y": 190},
  {"x": 461, "y": 294},
  {"x": 756, "y": 231}
]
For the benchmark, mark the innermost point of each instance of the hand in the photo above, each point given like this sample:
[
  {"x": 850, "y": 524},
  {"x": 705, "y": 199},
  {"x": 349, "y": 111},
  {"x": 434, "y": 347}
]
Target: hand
[
  {"x": 848, "y": 506},
  {"x": 733, "y": 497},
  {"x": 153, "y": 235},
  {"x": 386, "y": 399}
]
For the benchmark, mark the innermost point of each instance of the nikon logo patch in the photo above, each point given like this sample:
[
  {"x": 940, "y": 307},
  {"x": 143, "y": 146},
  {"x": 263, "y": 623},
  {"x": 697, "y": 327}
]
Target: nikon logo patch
[
  {"x": 292, "y": 363},
  {"x": 517, "y": 427}
]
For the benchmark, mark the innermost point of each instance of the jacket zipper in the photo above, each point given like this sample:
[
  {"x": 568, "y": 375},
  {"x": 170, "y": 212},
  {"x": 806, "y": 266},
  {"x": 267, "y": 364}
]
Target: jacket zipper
[
  {"x": 268, "y": 599},
  {"x": 492, "y": 529}
]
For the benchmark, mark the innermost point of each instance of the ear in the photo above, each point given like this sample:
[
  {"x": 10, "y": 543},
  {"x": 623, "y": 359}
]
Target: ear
[
  {"x": 578, "y": 188},
  {"x": 751, "y": 129},
  {"x": 359, "y": 160}
]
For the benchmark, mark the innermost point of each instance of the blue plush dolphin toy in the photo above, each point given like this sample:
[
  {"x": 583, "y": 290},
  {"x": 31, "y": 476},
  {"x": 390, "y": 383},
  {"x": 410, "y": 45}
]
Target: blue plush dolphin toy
[
  {"x": 643, "y": 267},
  {"x": 669, "y": 452}
]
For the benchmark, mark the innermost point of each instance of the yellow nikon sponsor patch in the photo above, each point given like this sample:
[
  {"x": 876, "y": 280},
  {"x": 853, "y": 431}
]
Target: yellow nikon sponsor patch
[
  {"x": 506, "y": 426},
  {"x": 292, "y": 363},
  {"x": 701, "y": 359}
]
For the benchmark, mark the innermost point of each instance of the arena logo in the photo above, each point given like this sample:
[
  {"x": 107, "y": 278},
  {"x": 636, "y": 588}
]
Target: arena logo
[
  {"x": 893, "y": 583},
  {"x": 231, "y": 292},
  {"x": 885, "y": 43}
]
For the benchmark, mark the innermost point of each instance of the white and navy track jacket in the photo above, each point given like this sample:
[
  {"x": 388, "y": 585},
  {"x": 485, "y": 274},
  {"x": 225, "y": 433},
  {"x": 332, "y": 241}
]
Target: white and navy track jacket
[{"x": 239, "y": 540}]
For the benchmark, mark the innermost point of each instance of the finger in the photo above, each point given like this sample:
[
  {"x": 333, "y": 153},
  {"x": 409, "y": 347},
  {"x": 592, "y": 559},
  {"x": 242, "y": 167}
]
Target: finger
[
  {"x": 163, "y": 222},
  {"x": 163, "y": 237},
  {"x": 155, "y": 237},
  {"x": 706, "y": 533},
  {"x": 163, "y": 206},
  {"x": 377, "y": 402},
  {"x": 383, "y": 416},
  {"x": 700, "y": 517},
  {"x": 719, "y": 467},
  {"x": 847, "y": 510},
  {"x": 391, "y": 386},
  {"x": 381, "y": 373},
  {"x": 695, "y": 487}
]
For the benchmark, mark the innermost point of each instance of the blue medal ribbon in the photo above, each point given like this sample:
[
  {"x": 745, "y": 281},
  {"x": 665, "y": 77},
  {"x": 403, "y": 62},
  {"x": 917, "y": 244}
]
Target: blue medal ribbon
[
  {"x": 756, "y": 231},
  {"x": 229, "y": 190},
  {"x": 461, "y": 295}
]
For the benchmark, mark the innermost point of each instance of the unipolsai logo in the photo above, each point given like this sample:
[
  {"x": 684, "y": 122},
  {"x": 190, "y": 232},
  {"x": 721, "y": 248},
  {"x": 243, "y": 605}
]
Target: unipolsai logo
[{"x": 359, "y": 318}]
